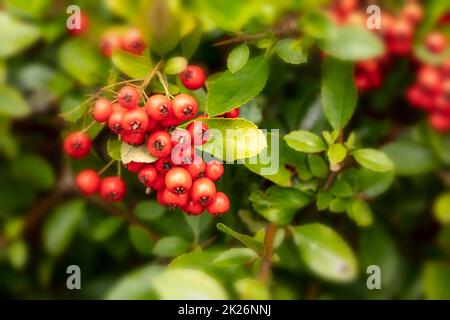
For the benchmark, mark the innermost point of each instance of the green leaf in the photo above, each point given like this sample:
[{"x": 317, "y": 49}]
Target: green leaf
[
  {"x": 186, "y": 284},
  {"x": 35, "y": 9},
  {"x": 324, "y": 199},
  {"x": 238, "y": 57},
  {"x": 233, "y": 139},
  {"x": 130, "y": 153},
  {"x": 317, "y": 165},
  {"x": 17, "y": 253},
  {"x": 61, "y": 226},
  {"x": 325, "y": 252},
  {"x": 410, "y": 158},
  {"x": 359, "y": 211},
  {"x": 305, "y": 141},
  {"x": 135, "y": 285},
  {"x": 352, "y": 43},
  {"x": 141, "y": 240},
  {"x": 231, "y": 90},
  {"x": 339, "y": 94},
  {"x": 113, "y": 148},
  {"x": 198, "y": 224},
  {"x": 132, "y": 65},
  {"x": 170, "y": 246},
  {"x": 371, "y": 183},
  {"x": 339, "y": 205},
  {"x": 252, "y": 289},
  {"x": 82, "y": 61},
  {"x": 441, "y": 208},
  {"x": 15, "y": 35},
  {"x": 229, "y": 15},
  {"x": 190, "y": 42},
  {"x": 279, "y": 204},
  {"x": 148, "y": 210},
  {"x": 436, "y": 281},
  {"x": 253, "y": 244},
  {"x": 373, "y": 159},
  {"x": 235, "y": 257},
  {"x": 341, "y": 189},
  {"x": 33, "y": 171},
  {"x": 12, "y": 104},
  {"x": 123, "y": 8},
  {"x": 291, "y": 51},
  {"x": 175, "y": 65},
  {"x": 336, "y": 153},
  {"x": 106, "y": 228}
]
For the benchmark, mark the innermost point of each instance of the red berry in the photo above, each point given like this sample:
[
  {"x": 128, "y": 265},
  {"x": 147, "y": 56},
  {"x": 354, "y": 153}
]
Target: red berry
[
  {"x": 184, "y": 107},
  {"x": 196, "y": 168},
  {"x": 232, "y": 114},
  {"x": 112, "y": 189},
  {"x": 102, "y": 110},
  {"x": 399, "y": 37},
  {"x": 158, "y": 107},
  {"x": 219, "y": 204},
  {"x": 193, "y": 208},
  {"x": 147, "y": 175},
  {"x": 182, "y": 154},
  {"x": 77, "y": 145},
  {"x": 170, "y": 121},
  {"x": 181, "y": 136},
  {"x": 83, "y": 27},
  {"x": 435, "y": 42},
  {"x": 439, "y": 121},
  {"x": 178, "y": 180},
  {"x": 134, "y": 139},
  {"x": 159, "y": 144},
  {"x": 174, "y": 200},
  {"x": 193, "y": 77},
  {"x": 412, "y": 12},
  {"x": 214, "y": 170},
  {"x": 110, "y": 42},
  {"x": 88, "y": 182},
  {"x": 115, "y": 122},
  {"x": 132, "y": 42},
  {"x": 135, "y": 120},
  {"x": 198, "y": 131},
  {"x": 163, "y": 165},
  {"x": 159, "y": 182},
  {"x": 128, "y": 97},
  {"x": 345, "y": 7},
  {"x": 429, "y": 78},
  {"x": 203, "y": 189},
  {"x": 134, "y": 166}
]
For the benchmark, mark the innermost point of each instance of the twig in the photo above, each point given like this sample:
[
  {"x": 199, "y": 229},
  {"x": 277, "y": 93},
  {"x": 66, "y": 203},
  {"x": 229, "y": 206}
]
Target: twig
[
  {"x": 164, "y": 83},
  {"x": 106, "y": 167},
  {"x": 151, "y": 75},
  {"x": 268, "y": 252}
]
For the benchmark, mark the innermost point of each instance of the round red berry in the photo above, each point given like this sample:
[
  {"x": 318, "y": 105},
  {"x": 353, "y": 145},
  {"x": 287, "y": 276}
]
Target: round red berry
[
  {"x": 198, "y": 131},
  {"x": 435, "y": 42},
  {"x": 115, "y": 121},
  {"x": 159, "y": 144},
  {"x": 184, "y": 107},
  {"x": 88, "y": 182},
  {"x": 181, "y": 136},
  {"x": 178, "y": 180},
  {"x": 219, "y": 204},
  {"x": 147, "y": 175},
  {"x": 134, "y": 166},
  {"x": 135, "y": 120},
  {"x": 412, "y": 12},
  {"x": 203, "y": 189},
  {"x": 193, "y": 77},
  {"x": 232, "y": 114},
  {"x": 82, "y": 27},
  {"x": 214, "y": 170},
  {"x": 158, "y": 107},
  {"x": 128, "y": 97},
  {"x": 77, "y": 145},
  {"x": 109, "y": 42},
  {"x": 193, "y": 208},
  {"x": 439, "y": 121},
  {"x": 112, "y": 189},
  {"x": 182, "y": 154},
  {"x": 102, "y": 109},
  {"x": 159, "y": 182},
  {"x": 196, "y": 168},
  {"x": 133, "y": 42},
  {"x": 163, "y": 165},
  {"x": 134, "y": 139},
  {"x": 174, "y": 200}
]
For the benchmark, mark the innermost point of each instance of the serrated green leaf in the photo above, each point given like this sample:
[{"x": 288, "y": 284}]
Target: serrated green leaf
[
  {"x": 231, "y": 90},
  {"x": 238, "y": 57},
  {"x": 130, "y": 153},
  {"x": 325, "y": 252},
  {"x": 132, "y": 65},
  {"x": 339, "y": 94},
  {"x": 235, "y": 257},
  {"x": 373, "y": 159},
  {"x": 305, "y": 141}
]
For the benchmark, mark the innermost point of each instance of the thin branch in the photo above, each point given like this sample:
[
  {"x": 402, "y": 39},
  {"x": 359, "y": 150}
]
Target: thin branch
[{"x": 268, "y": 252}]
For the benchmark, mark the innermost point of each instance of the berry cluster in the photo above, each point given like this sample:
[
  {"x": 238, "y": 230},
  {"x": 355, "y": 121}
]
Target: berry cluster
[
  {"x": 130, "y": 41},
  {"x": 431, "y": 92},
  {"x": 180, "y": 177}
]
